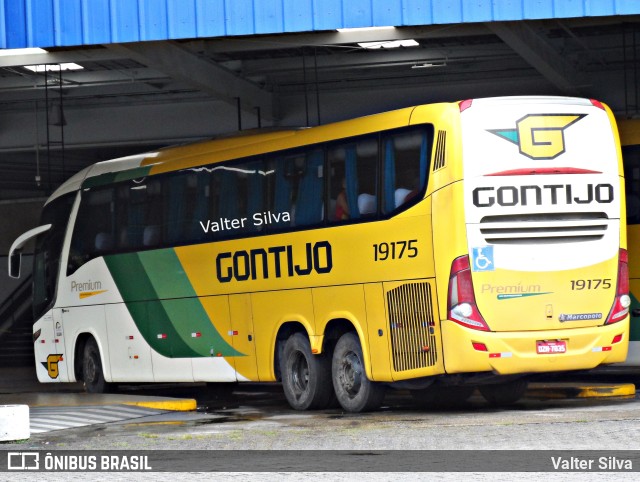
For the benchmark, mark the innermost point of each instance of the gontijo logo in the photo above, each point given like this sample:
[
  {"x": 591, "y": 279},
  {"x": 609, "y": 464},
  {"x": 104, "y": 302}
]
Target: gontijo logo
[
  {"x": 539, "y": 136},
  {"x": 52, "y": 364}
]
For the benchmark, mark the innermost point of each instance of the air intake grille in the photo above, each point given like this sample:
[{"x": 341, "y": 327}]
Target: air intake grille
[
  {"x": 411, "y": 325},
  {"x": 439, "y": 156},
  {"x": 549, "y": 228}
]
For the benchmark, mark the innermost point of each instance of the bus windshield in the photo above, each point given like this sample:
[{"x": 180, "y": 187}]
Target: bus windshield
[{"x": 48, "y": 249}]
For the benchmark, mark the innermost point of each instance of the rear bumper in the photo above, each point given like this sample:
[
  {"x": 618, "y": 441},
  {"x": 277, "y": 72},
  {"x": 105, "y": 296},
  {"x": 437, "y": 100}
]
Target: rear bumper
[{"x": 515, "y": 352}]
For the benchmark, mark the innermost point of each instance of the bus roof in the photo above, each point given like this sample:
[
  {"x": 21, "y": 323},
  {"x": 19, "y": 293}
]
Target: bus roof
[{"x": 250, "y": 143}]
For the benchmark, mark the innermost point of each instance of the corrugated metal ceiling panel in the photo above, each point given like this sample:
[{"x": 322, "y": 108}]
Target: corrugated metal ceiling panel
[{"x": 48, "y": 23}]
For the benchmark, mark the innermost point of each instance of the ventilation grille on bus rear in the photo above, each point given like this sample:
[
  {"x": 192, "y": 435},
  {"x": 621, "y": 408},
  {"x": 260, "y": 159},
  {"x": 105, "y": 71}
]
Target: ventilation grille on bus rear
[
  {"x": 411, "y": 325},
  {"x": 547, "y": 228},
  {"x": 439, "y": 156}
]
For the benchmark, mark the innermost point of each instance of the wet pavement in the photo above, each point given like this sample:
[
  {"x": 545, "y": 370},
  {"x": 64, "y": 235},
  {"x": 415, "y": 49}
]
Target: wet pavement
[
  {"x": 595, "y": 414},
  {"x": 56, "y": 407},
  {"x": 257, "y": 417},
  {"x": 19, "y": 385}
]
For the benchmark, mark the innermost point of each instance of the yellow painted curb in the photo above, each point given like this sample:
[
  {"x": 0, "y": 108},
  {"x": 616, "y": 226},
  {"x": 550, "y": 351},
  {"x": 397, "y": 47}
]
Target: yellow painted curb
[
  {"x": 541, "y": 390},
  {"x": 177, "y": 405}
]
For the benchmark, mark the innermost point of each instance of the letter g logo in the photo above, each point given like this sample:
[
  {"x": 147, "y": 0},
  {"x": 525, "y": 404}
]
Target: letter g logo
[
  {"x": 539, "y": 136},
  {"x": 52, "y": 365}
]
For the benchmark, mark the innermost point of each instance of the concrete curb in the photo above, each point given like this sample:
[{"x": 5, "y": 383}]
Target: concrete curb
[
  {"x": 176, "y": 405},
  {"x": 580, "y": 390},
  {"x": 14, "y": 423}
]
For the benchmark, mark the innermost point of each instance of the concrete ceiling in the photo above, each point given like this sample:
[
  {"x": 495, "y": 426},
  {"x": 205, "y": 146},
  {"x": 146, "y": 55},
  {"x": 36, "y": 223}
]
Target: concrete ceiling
[{"x": 133, "y": 97}]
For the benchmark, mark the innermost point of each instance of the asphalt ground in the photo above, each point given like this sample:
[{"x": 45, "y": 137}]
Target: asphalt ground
[
  {"x": 592, "y": 413},
  {"x": 19, "y": 386}
]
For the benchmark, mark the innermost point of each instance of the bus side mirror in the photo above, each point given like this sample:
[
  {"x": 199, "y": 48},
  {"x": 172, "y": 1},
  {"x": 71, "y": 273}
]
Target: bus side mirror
[
  {"x": 15, "y": 253},
  {"x": 15, "y": 260}
]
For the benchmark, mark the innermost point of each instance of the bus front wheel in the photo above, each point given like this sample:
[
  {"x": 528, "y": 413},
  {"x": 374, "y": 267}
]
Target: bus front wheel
[
  {"x": 92, "y": 374},
  {"x": 306, "y": 378},
  {"x": 354, "y": 391}
]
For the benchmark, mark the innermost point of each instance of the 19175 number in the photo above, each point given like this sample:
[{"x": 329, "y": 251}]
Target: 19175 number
[
  {"x": 590, "y": 284},
  {"x": 395, "y": 250}
]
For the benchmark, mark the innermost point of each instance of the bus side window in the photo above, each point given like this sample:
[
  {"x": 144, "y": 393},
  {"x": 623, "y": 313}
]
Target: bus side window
[
  {"x": 199, "y": 195},
  {"x": 338, "y": 203},
  {"x": 309, "y": 199},
  {"x": 176, "y": 206},
  {"x": 123, "y": 234},
  {"x": 136, "y": 211},
  {"x": 280, "y": 195},
  {"x": 353, "y": 180},
  {"x": 406, "y": 156},
  {"x": 228, "y": 204},
  {"x": 152, "y": 214},
  {"x": 186, "y": 208},
  {"x": 138, "y": 215},
  {"x": 94, "y": 231},
  {"x": 254, "y": 186}
]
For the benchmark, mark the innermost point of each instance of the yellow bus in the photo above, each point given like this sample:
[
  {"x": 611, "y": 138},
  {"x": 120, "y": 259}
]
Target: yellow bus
[
  {"x": 437, "y": 249},
  {"x": 630, "y": 140}
]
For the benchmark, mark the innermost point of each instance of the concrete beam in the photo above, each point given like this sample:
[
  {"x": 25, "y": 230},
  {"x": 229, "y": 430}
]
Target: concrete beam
[
  {"x": 183, "y": 65},
  {"x": 539, "y": 53}
]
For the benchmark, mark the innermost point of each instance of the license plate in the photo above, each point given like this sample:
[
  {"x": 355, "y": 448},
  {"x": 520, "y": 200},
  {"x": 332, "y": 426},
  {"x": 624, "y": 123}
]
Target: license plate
[{"x": 551, "y": 347}]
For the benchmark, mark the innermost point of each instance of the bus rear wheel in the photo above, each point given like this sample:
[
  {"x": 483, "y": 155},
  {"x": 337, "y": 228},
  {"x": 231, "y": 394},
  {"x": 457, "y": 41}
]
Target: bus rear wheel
[
  {"x": 306, "y": 378},
  {"x": 504, "y": 393},
  {"x": 92, "y": 373},
  {"x": 354, "y": 391}
]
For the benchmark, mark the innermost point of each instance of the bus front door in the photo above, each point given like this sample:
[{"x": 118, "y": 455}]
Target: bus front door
[{"x": 51, "y": 359}]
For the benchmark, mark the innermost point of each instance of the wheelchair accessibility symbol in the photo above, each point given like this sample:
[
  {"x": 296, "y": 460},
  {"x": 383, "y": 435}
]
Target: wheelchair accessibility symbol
[{"x": 483, "y": 258}]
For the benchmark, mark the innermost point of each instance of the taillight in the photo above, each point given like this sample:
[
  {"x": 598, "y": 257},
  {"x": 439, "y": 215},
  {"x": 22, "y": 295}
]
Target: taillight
[
  {"x": 465, "y": 104},
  {"x": 623, "y": 301},
  {"x": 596, "y": 103},
  {"x": 461, "y": 301}
]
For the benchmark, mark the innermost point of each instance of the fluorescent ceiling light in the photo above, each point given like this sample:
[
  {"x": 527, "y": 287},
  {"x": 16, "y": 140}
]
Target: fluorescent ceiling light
[
  {"x": 29, "y": 51},
  {"x": 54, "y": 67},
  {"x": 363, "y": 29},
  {"x": 389, "y": 44},
  {"x": 40, "y": 67}
]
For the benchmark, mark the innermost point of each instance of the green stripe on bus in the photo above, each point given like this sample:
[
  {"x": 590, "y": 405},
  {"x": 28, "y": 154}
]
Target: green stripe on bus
[
  {"x": 111, "y": 177},
  {"x": 164, "y": 306},
  {"x": 130, "y": 277},
  {"x": 138, "y": 293},
  {"x": 157, "y": 330},
  {"x": 181, "y": 304},
  {"x": 196, "y": 329},
  {"x": 166, "y": 274}
]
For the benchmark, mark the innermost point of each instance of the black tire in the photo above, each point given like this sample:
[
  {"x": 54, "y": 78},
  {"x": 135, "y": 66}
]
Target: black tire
[
  {"x": 354, "y": 391},
  {"x": 306, "y": 378},
  {"x": 92, "y": 373},
  {"x": 504, "y": 393},
  {"x": 443, "y": 397}
]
